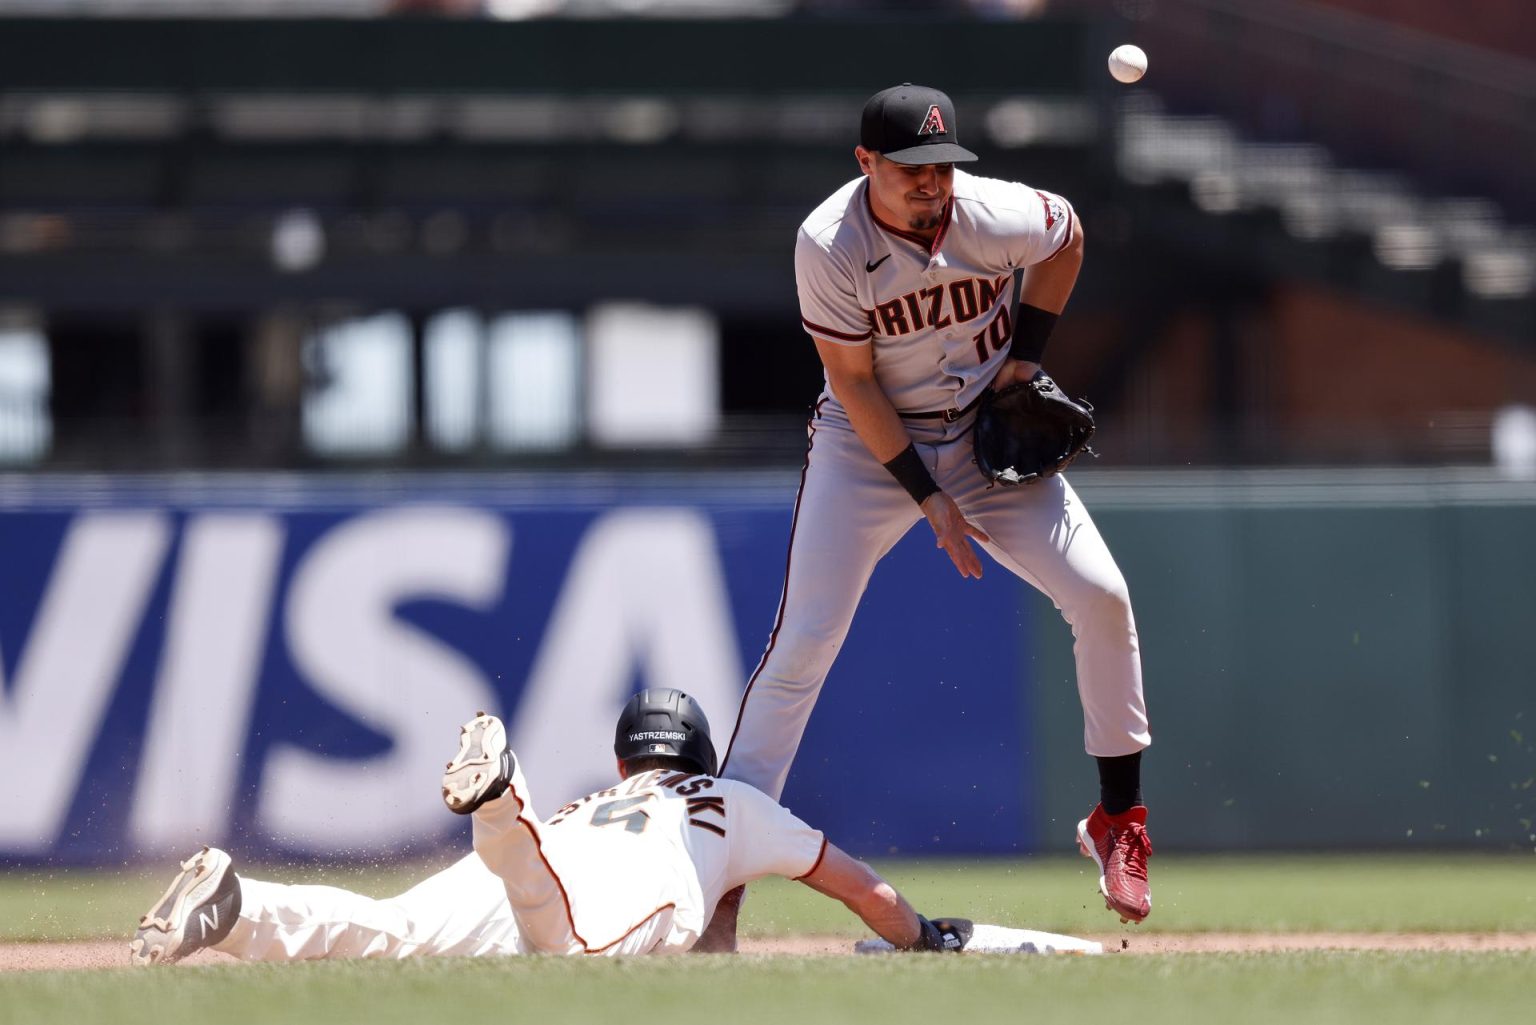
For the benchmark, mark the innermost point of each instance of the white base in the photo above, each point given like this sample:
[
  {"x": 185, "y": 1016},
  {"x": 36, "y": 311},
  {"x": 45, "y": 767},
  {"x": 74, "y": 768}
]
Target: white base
[{"x": 998, "y": 939}]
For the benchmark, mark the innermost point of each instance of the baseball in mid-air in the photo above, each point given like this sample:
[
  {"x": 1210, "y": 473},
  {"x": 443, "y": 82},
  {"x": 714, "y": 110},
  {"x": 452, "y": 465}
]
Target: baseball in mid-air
[{"x": 1127, "y": 63}]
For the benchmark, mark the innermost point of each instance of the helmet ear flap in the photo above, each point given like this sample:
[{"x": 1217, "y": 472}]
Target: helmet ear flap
[{"x": 664, "y": 722}]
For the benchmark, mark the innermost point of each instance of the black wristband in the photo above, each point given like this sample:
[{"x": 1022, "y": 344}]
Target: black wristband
[
  {"x": 928, "y": 936},
  {"x": 1031, "y": 329},
  {"x": 910, "y": 473}
]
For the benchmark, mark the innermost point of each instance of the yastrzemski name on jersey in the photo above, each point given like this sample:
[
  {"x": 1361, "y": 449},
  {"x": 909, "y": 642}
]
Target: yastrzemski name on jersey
[
  {"x": 669, "y": 839},
  {"x": 615, "y": 809},
  {"x": 937, "y": 313}
]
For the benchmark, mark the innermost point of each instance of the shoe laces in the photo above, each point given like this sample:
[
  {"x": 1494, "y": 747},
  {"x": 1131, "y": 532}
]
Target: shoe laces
[{"x": 1134, "y": 847}]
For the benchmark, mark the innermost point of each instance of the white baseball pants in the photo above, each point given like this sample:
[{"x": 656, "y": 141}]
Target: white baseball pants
[
  {"x": 850, "y": 512},
  {"x": 503, "y": 899},
  {"x": 460, "y": 911}
]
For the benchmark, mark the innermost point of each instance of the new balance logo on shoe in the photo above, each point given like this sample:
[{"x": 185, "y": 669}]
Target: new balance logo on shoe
[{"x": 198, "y": 910}]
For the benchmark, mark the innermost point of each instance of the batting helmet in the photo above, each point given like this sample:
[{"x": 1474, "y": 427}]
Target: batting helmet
[{"x": 665, "y": 722}]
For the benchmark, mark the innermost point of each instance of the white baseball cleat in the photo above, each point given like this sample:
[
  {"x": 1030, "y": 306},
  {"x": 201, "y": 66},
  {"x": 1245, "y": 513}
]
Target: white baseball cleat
[
  {"x": 198, "y": 910},
  {"x": 482, "y": 769}
]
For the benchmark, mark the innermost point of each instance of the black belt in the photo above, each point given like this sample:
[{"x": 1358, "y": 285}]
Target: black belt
[{"x": 949, "y": 416}]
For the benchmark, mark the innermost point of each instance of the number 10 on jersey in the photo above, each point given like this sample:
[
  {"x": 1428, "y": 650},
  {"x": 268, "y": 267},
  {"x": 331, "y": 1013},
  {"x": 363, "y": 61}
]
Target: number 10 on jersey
[{"x": 996, "y": 333}]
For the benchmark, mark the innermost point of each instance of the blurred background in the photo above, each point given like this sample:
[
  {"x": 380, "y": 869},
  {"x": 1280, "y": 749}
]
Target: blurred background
[{"x": 366, "y": 363}]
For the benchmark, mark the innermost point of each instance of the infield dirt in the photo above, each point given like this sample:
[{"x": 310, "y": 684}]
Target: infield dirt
[{"x": 104, "y": 954}]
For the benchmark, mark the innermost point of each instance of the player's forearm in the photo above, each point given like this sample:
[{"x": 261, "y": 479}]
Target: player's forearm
[
  {"x": 873, "y": 417},
  {"x": 864, "y": 893},
  {"x": 889, "y": 915}
]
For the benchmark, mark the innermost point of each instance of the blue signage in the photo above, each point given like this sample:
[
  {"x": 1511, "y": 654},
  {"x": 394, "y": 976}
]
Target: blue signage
[{"x": 279, "y": 664}]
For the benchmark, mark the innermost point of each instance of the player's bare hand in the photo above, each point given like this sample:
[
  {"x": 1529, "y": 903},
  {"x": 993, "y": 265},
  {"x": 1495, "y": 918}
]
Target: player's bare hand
[
  {"x": 951, "y": 528},
  {"x": 1014, "y": 371}
]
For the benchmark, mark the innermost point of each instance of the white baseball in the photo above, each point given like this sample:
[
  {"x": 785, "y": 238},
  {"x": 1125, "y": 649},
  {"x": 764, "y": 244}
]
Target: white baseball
[{"x": 1127, "y": 63}]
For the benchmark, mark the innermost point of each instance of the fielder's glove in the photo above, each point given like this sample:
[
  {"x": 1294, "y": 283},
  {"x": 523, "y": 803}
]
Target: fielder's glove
[
  {"x": 944, "y": 934},
  {"x": 1030, "y": 431}
]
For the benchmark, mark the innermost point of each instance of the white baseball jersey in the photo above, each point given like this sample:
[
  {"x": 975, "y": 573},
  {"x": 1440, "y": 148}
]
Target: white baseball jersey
[
  {"x": 937, "y": 314},
  {"x": 669, "y": 838}
]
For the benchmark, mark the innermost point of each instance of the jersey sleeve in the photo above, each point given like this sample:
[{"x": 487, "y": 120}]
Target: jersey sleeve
[
  {"x": 1047, "y": 227},
  {"x": 770, "y": 840},
  {"x": 829, "y": 308}
]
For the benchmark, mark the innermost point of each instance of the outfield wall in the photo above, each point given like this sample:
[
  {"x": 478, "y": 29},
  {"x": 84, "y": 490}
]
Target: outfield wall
[
  {"x": 279, "y": 663},
  {"x": 1333, "y": 658}
]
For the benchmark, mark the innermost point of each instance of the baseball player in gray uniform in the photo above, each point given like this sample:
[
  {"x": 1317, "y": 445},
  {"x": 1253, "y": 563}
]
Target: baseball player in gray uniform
[
  {"x": 906, "y": 277},
  {"x": 633, "y": 869}
]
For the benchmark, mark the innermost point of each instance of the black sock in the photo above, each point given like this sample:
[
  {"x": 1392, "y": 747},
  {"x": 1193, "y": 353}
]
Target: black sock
[{"x": 1119, "y": 782}]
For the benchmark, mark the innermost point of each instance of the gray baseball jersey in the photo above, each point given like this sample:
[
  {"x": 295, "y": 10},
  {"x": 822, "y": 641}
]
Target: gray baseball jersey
[{"x": 937, "y": 316}]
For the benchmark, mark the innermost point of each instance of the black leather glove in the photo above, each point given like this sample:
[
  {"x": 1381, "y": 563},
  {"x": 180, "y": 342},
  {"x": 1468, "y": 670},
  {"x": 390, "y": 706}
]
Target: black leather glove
[{"x": 1030, "y": 431}]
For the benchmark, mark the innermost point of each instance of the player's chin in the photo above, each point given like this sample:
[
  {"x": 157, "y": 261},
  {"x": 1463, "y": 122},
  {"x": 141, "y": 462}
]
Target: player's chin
[{"x": 925, "y": 221}]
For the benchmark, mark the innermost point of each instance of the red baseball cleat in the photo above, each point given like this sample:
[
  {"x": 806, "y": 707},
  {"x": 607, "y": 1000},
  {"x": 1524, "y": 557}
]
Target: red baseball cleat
[{"x": 1119, "y": 845}]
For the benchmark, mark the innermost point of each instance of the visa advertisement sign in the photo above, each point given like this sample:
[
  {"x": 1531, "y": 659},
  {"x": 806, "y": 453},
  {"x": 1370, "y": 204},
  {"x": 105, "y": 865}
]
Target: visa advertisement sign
[{"x": 280, "y": 665}]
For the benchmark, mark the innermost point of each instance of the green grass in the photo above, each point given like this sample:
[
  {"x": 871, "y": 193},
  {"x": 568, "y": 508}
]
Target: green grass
[
  {"x": 1473, "y": 893},
  {"x": 1343, "y": 893},
  {"x": 1476, "y": 893},
  {"x": 1174, "y": 989}
]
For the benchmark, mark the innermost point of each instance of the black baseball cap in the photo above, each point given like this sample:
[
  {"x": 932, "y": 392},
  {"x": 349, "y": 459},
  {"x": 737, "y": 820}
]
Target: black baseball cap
[{"x": 912, "y": 124}]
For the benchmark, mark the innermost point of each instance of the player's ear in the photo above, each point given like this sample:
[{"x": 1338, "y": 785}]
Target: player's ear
[
  {"x": 620, "y": 763},
  {"x": 866, "y": 159}
]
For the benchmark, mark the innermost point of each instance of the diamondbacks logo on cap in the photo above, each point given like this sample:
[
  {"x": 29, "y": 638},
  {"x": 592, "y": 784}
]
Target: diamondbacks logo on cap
[{"x": 933, "y": 124}]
